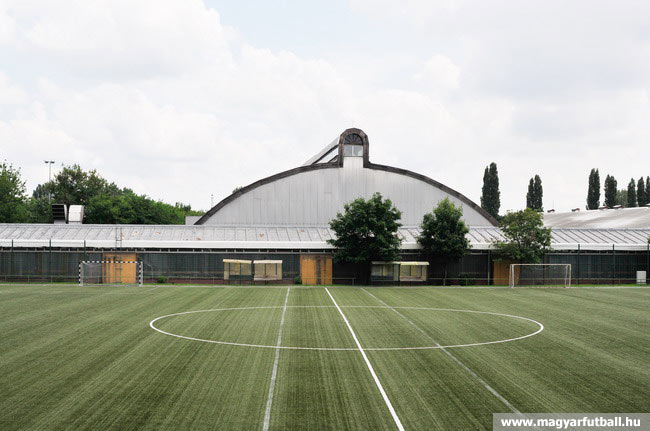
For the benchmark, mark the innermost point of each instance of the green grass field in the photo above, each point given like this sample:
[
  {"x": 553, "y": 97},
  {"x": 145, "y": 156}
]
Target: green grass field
[{"x": 87, "y": 358}]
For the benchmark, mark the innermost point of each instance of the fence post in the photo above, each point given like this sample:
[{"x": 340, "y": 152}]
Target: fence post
[
  {"x": 49, "y": 262},
  {"x": 579, "y": 268},
  {"x": 11, "y": 259},
  {"x": 614, "y": 264},
  {"x": 489, "y": 268}
]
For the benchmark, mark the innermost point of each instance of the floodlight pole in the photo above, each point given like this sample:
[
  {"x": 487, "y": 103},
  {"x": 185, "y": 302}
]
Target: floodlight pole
[{"x": 49, "y": 164}]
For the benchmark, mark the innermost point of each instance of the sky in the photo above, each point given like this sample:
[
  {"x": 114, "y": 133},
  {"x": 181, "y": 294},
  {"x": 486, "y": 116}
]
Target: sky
[{"x": 184, "y": 100}]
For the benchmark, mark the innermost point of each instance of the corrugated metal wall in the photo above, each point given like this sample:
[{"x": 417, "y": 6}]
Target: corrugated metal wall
[{"x": 314, "y": 197}]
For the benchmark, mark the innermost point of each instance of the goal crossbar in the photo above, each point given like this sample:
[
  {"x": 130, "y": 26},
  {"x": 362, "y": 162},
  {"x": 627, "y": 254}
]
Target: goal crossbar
[
  {"x": 540, "y": 274},
  {"x": 109, "y": 272}
]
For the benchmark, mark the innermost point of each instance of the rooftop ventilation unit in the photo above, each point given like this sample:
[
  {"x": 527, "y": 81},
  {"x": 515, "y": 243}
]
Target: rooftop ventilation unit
[
  {"x": 76, "y": 214},
  {"x": 60, "y": 213}
]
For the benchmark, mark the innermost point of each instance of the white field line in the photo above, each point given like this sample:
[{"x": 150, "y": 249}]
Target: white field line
[
  {"x": 454, "y": 358},
  {"x": 400, "y": 427},
  {"x": 149, "y": 290},
  {"x": 151, "y": 324},
  {"x": 274, "y": 373}
]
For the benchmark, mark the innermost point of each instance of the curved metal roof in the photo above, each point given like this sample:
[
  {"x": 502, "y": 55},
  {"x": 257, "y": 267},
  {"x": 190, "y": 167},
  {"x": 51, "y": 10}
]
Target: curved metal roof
[{"x": 321, "y": 162}]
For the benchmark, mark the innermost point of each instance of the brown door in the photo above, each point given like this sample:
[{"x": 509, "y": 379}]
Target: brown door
[
  {"x": 501, "y": 272},
  {"x": 316, "y": 269}
]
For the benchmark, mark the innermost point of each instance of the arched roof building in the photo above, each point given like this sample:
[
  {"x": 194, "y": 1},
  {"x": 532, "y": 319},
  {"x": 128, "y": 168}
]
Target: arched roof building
[
  {"x": 312, "y": 194},
  {"x": 277, "y": 229}
]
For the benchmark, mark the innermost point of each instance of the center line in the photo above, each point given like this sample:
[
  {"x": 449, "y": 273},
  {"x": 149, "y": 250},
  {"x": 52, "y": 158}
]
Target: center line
[
  {"x": 372, "y": 370},
  {"x": 274, "y": 373},
  {"x": 454, "y": 358}
]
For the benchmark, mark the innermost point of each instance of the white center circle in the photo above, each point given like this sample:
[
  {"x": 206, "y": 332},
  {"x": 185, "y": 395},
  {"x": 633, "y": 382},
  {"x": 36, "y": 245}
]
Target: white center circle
[{"x": 540, "y": 328}]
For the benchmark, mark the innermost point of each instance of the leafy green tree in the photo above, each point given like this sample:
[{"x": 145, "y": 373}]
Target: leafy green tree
[
  {"x": 443, "y": 234},
  {"x": 367, "y": 231},
  {"x": 187, "y": 210},
  {"x": 490, "y": 194},
  {"x": 13, "y": 200},
  {"x": 74, "y": 186},
  {"x": 526, "y": 238},
  {"x": 631, "y": 193},
  {"x": 641, "y": 193},
  {"x": 593, "y": 193},
  {"x": 39, "y": 208},
  {"x": 647, "y": 190},
  {"x": 104, "y": 201},
  {"x": 610, "y": 191}
]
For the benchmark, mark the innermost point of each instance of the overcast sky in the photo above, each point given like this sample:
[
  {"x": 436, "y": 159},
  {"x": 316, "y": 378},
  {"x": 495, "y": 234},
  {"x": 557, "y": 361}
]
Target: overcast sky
[{"x": 181, "y": 99}]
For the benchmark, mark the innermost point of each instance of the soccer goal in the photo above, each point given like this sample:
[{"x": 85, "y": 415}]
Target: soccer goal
[
  {"x": 110, "y": 272},
  {"x": 540, "y": 274}
]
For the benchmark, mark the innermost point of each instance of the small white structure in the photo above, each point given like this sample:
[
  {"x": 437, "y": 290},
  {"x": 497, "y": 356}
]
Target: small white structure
[
  {"x": 237, "y": 269},
  {"x": 399, "y": 271},
  {"x": 76, "y": 214},
  {"x": 413, "y": 271},
  {"x": 268, "y": 270}
]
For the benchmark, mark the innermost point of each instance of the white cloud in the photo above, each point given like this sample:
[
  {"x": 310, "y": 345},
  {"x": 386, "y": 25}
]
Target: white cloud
[
  {"x": 162, "y": 97},
  {"x": 439, "y": 75}
]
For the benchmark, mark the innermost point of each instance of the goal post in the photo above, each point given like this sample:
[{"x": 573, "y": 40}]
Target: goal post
[
  {"x": 540, "y": 274},
  {"x": 111, "y": 273}
]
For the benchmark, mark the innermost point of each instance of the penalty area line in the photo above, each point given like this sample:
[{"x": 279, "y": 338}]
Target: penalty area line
[
  {"x": 274, "y": 373},
  {"x": 485, "y": 384},
  {"x": 393, "y": 413}
]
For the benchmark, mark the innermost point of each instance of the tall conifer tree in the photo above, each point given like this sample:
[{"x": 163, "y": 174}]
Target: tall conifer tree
[
  {"x": 530, "y": 194},
  {"x": 490, "y": 195},
  {"x": 631, "y": 193},
  {"x": 535, "y": 194},
  {"x": 610, "y": 191},
  {"x": 539, "y": 194},
  {"x": 593, "y": 193},
  {"x": 641, "y": 193}
]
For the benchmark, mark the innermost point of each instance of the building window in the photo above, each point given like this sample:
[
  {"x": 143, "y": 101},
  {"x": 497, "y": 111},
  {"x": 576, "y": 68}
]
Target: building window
[
  {"x": 352, "y": 150},
  {"x": 268, "y": 269},
  {"x": 235, "y": 269},
  {"x": 353, "y": 146}
]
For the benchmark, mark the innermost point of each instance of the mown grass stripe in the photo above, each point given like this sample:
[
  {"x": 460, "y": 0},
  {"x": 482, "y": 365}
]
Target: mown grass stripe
[
  {"x": 274, "y": 372},
  {"x": 448, "y": 353},
  {"x": 393, "y": 413}
]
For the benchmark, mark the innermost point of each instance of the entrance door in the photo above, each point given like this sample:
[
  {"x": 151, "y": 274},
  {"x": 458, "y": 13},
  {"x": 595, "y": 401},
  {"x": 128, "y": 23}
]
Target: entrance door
[{"x": 316, "y": 269}]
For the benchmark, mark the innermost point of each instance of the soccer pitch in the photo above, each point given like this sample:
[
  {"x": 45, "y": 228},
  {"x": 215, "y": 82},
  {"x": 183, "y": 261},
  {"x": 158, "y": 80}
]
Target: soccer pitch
[{"x": 182, "y": 357}]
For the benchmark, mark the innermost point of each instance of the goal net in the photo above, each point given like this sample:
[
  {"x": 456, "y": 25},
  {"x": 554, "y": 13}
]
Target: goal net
[
  {"x": 540, "y": 274},
  {"x": 110, "y": 272}
]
